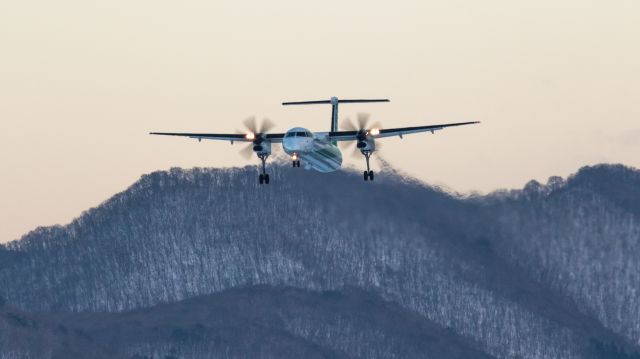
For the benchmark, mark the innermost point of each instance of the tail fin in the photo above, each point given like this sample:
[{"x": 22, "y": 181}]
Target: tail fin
[{"x": 334, "y": 101}]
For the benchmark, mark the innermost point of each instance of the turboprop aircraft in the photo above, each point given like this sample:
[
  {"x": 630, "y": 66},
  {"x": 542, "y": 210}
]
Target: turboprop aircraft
[{"x": 315, "y": 150}]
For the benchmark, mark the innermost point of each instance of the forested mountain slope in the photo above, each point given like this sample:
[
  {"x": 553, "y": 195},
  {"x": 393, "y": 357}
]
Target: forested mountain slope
[
  {"x": 483, "y": 267},
  {"x": 582, "y": 238}
]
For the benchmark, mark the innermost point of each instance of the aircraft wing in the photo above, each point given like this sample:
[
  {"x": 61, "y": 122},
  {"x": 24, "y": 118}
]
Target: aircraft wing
[
  {"x": 388, "y": 132},
  {"x": 231, "y": 137}
]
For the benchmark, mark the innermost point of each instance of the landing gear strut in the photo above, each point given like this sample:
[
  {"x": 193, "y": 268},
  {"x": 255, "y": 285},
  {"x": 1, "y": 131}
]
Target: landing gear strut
[
  {"x": 264, "y": 176},
  {"x": 368, "y": 174},
  {"x": 296, "y": 163}
]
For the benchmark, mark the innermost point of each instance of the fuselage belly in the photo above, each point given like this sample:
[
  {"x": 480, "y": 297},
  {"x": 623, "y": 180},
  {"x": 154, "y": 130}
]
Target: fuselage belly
[{"x": 326, "y": 158}]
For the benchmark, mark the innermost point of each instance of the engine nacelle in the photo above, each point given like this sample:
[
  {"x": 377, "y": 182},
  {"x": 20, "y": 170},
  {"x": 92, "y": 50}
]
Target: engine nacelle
[
  {"x": 262, "y": 147},
  {"x": 366, "y": 144}
]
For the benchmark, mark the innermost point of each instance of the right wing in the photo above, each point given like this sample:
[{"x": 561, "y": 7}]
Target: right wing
[{"x": 417, "y": 129}]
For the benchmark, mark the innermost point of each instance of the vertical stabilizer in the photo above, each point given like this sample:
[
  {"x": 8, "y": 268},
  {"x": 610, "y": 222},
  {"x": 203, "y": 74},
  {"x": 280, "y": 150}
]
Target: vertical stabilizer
[
  {"x": 334, "y": 101},
  {"x": 334, "y": 114}
]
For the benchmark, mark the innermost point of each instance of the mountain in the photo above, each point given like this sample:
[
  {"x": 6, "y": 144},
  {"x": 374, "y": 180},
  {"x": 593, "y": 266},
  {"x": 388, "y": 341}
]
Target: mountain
[
  {"x": 582, "y": 238},
  {"x": 26, "y": 335},
  {"x": 250, "y": 322},
  {"x": 275, "y": 322},
  {"x": 543, "y": 272}
]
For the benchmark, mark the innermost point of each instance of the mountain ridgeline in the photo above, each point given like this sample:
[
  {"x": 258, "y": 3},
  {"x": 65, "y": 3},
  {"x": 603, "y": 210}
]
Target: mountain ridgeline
[{"x": 208, "y": 263}]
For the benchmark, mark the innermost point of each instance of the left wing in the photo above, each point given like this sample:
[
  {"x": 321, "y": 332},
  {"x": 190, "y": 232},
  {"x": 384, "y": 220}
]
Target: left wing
[
  {"x": 400, "y": 131},
  {"x": 232, "y": 137},
  {"x": 388, "y": 132}
]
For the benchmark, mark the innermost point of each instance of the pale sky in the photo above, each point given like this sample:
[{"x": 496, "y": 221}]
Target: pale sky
[{"x": 556, "y": 84}]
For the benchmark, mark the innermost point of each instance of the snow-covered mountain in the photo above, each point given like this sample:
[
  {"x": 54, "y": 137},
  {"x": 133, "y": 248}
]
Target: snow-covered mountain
[{"x": 546, "y": 272}]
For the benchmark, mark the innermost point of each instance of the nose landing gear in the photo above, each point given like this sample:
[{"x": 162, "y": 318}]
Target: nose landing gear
[
  {"x": 368, "y": 174},
  {"x": 296, "y": 160}
]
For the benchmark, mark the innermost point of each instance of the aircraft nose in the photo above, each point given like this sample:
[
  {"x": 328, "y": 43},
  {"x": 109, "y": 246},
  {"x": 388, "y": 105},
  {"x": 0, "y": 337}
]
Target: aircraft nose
[{"x": 293, "y": 144}]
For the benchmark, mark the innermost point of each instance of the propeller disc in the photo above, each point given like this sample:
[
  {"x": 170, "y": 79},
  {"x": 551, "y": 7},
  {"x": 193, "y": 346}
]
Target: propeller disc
[
  {"x": 363, "y": 128},
  {"x": 254, "y": 131}
]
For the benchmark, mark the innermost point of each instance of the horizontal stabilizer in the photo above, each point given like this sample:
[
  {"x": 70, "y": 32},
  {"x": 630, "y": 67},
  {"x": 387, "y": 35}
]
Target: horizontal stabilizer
[
  {"x": 334, "y": 101},
  {"x": 331, "y": 102}
]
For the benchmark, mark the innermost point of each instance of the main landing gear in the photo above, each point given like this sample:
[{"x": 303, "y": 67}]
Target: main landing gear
[
  {"x": 368, "y": 174},
  {"x": 264, "y": 176}
]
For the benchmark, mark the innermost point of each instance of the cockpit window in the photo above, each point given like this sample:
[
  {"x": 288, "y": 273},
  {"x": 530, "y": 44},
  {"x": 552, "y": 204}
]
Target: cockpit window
[{"x": 298, "y": 134}]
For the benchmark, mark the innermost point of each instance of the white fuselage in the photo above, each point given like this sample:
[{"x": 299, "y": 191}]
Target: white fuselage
[{"x": 314, "y": 152}]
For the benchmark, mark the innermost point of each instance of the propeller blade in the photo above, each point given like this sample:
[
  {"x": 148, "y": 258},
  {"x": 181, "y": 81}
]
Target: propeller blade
[
  {"x": 250, "y": 124},
  {"x": 247, "y": 151},
  {"x": 266, "y": 126},
  {"x": 349, "y": 147},
  {"x": 348, "y": 125},
  {"x": 363, "y": 119}
]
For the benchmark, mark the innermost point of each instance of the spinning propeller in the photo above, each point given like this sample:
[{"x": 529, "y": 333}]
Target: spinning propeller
[
  {"x": 256, "y": 133},
  {"x": 362, "y": 124},
  {"x": 363, "y": 129}
]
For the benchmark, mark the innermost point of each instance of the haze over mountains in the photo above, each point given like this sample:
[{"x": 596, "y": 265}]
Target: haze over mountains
[{"x": 207, "y": 263}]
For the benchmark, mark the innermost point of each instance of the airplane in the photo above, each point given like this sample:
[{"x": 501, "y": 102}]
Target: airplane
[{"x": 315, "y": 150}]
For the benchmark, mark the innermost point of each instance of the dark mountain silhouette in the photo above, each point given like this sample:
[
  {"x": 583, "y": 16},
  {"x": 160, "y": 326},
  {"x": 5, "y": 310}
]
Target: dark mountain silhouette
[
  {"x": 545, "y": 272},
  {"x": 26, "y": 335},
  {"x": 275, "y": 322},
  {"x": 271, "y": 322}
]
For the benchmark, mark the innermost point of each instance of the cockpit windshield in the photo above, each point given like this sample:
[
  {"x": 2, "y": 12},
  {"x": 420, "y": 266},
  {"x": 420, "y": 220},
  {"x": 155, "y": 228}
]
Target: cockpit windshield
[{"x": 298, "y": 134}]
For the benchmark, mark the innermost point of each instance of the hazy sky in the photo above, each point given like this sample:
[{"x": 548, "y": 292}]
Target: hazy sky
[{"x": 556, "y": 84}]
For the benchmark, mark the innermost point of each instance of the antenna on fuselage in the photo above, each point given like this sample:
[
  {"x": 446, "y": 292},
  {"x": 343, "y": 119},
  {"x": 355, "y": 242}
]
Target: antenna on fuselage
[{"x": 334, "y": 101}]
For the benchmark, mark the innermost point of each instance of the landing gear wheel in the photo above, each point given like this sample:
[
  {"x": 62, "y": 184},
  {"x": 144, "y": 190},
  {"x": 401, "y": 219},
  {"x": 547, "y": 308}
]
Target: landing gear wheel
[
  {"x": 368, "y": 174},
  {"x": 266, "y": 178},
  {"x": 296, "y": 163},
  {"x": 261, "y": 178}
]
